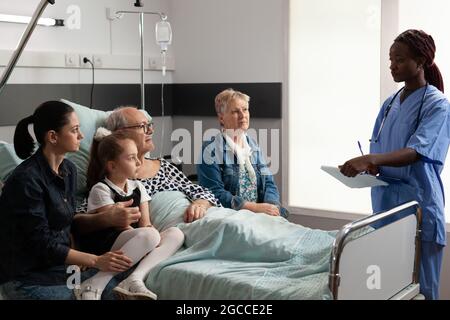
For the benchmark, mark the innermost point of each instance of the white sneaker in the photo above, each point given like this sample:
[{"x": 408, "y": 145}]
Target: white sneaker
[
  {"x": 134, "y": 289},
  {"x": 87, "y": 293}
]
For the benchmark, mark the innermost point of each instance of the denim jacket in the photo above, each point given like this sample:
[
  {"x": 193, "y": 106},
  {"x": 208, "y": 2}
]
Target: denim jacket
[
  {"x": 219, "y": 172},
  {"x": 36, "y": 211}
]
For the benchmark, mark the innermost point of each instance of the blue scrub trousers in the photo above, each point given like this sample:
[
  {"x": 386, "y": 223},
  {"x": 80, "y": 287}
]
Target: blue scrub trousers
[{"x": 430, "y": 269}]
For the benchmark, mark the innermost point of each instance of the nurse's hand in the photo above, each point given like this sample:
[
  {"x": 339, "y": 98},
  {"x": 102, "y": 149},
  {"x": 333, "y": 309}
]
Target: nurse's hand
[{"x": 357, "y": 165}]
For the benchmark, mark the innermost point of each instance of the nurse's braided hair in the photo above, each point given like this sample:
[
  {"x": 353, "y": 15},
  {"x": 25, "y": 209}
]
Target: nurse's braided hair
[{"x": 422, "y": 44}]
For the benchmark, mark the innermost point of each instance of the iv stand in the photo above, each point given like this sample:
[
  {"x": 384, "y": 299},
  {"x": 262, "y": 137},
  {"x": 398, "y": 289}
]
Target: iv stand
[{"x": 141, "y": 34}]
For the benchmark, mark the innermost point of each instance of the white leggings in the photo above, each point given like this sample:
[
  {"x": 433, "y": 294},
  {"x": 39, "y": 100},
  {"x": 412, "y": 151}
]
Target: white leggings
[{"x": 135, "y": 244}]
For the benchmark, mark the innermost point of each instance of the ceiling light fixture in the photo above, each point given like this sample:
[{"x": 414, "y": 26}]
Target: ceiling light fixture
[{"x": 48, "y": 22}]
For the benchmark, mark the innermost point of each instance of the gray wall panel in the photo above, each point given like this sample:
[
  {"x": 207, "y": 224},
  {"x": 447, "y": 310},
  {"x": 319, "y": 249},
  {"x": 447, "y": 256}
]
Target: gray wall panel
[{"x": 19, "y": 100}]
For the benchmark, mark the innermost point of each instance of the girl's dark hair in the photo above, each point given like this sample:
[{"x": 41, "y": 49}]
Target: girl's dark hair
[
  {"x": 422, "y": 44},
  {"x": 107, "y": 149},
  {"x": 51, "y": 115}
]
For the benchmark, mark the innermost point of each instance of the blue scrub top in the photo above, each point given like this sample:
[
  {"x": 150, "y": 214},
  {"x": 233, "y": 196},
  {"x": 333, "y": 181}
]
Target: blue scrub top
[{"x": 421, "y": 181}]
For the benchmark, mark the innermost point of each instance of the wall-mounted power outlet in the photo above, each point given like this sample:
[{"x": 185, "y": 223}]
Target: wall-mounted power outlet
[
  {"x": 72, "y": 60},
  {"x": 82, "y": 63},
  {"x": 97, "y": 60}
]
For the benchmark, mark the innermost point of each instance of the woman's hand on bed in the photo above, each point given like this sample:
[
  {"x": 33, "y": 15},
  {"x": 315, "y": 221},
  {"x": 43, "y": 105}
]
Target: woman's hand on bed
[
  {"x": 113, "y": 261},
  {"x": 194, "y": 212},
  {"x": 267, "y": 208}
]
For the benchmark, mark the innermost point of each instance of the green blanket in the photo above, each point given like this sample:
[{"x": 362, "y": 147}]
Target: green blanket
[{"x": 240, "y": 255}]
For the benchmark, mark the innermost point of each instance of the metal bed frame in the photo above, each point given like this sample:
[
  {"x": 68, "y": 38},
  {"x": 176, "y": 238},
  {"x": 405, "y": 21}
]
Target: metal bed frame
[{"x": 342, "y": 239}]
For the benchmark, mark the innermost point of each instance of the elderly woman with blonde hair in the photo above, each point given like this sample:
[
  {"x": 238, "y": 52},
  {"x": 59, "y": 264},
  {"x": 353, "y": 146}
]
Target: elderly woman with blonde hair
[{"x": 232, "y": 164}]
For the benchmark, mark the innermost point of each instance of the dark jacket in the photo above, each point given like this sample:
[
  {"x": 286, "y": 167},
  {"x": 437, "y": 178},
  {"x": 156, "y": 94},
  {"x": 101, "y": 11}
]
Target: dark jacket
[{"x": 36, "y": 211}]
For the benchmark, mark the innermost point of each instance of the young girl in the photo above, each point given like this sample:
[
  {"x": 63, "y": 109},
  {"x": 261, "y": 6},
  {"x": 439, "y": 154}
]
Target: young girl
[{"x": 112, "y": 168}]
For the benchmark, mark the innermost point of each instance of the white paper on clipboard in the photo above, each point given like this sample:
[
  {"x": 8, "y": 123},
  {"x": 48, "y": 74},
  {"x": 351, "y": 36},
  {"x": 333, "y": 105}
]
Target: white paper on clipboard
[{"x": 360, "y": 181}]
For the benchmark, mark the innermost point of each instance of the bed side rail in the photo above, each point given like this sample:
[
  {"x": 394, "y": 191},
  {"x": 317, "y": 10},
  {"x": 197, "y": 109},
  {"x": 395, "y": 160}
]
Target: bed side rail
[{"x": 350, "y": 228}]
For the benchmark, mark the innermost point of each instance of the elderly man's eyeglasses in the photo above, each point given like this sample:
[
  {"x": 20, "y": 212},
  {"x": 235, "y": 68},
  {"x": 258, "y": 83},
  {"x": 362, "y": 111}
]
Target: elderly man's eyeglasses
[{"x": 146, "y": 127}]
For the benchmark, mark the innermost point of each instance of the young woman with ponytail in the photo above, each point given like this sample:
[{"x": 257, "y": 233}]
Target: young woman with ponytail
[
  {"x": 410, "y": 141},
  {"x": 37, "y": 205}
]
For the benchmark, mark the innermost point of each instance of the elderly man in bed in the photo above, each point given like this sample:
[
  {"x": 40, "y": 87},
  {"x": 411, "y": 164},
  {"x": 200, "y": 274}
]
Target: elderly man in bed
[{"x": 156, "y": 174}]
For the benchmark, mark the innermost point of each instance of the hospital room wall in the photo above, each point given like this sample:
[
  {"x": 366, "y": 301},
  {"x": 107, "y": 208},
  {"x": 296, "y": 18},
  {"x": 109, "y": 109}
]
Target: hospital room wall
[
  {"x": 96, "y": 35},
  {"x": 230, "y": 43}
]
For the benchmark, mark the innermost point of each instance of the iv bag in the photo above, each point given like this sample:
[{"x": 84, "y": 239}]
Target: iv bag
[{"x": 163, "y": 34}]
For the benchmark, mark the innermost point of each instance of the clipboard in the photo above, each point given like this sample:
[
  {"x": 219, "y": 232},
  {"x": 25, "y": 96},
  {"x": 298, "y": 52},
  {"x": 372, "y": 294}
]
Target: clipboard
[{"x": 363, "y": 180}]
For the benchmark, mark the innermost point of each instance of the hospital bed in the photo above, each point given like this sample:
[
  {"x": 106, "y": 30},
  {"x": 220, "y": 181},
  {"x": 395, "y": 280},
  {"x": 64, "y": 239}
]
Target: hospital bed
[{"x": 360, "y": 263}]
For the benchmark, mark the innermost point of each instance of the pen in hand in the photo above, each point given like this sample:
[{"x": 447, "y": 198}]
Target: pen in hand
[
  {"x": 362, "y": 153},
  {"x": 360, "y": 148}
]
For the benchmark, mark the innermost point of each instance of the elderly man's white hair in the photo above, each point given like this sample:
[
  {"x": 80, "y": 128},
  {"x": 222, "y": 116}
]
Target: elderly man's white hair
[{"x": 117, "y": 119}]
